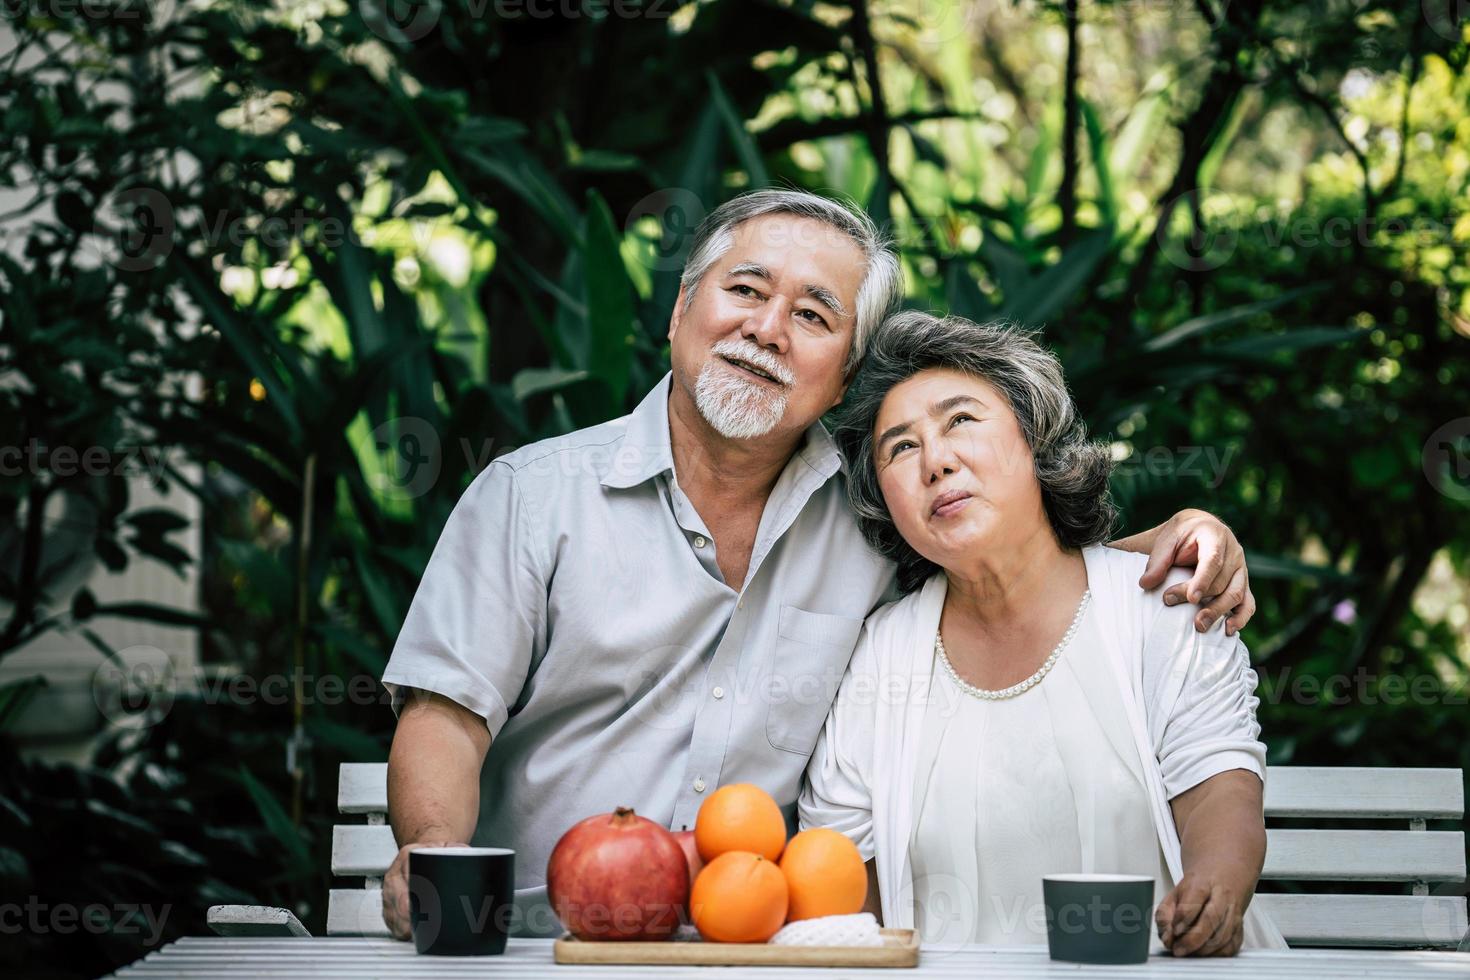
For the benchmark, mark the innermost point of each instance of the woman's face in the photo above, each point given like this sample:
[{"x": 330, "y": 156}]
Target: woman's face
[{"x": 955, "y": 469}]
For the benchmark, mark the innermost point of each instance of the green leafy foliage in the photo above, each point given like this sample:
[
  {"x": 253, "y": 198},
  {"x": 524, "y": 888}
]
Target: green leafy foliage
[{"x": 324, "y": 268}]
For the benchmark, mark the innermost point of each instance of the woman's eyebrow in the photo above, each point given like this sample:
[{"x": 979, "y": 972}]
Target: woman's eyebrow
[
  {"x": 891, "y": 431},
  {"x": 938, "y": 408}
]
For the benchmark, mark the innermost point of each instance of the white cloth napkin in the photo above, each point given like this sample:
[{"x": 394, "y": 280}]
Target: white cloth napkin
[{"x": 831, "y": 930}]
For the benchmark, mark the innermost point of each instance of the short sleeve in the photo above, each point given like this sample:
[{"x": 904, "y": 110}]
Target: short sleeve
[
  {"x": 479, "y": 614},
  {"x": 837, "y": 791},
  {"x": 1201, "y": 693}
]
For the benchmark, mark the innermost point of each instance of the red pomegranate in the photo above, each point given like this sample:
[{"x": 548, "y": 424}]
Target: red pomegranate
[
  {"x": 685, "y": 839},
  {"x": 618, "y": 876},
  {"x": 691, "y": 852}
]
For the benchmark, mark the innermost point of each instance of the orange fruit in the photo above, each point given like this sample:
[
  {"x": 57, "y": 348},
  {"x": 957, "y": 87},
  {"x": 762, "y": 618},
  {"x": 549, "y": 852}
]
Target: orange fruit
[
  {"x": 739, "y": 897},
  {"x": 739, "y": 817},
  {"x": 825, "y": 875}
]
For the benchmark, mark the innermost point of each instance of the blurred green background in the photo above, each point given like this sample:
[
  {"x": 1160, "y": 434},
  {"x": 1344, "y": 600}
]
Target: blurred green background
[{"x": 323, "y": 260}]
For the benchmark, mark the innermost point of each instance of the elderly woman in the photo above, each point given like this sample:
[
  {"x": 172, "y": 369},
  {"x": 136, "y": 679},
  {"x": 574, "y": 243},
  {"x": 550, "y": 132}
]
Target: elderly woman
[{"x": 1025, "y": 709}]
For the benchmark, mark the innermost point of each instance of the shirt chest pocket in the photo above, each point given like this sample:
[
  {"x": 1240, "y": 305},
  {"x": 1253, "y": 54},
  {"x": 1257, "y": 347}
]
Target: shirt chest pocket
[{"x": 805, "y": 669}]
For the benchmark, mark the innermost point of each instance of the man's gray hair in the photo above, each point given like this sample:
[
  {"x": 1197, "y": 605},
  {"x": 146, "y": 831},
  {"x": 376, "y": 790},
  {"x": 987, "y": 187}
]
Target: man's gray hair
[
  {"x": 882, "y": 285},
  {"x": 1072, "y": 470}
]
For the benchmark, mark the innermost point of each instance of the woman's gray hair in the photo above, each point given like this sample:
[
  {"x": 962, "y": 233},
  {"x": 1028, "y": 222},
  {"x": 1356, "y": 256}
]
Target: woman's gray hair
[
  {"x": 882, "y": 284},
  {"x": 1072, "y": 471}
]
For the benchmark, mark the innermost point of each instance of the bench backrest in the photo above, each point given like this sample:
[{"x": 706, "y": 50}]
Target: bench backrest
[{"x": 1413, "y": 856}]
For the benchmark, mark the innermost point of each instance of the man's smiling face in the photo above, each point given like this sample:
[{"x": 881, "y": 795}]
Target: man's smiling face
[{"x": 761, "y": 347}]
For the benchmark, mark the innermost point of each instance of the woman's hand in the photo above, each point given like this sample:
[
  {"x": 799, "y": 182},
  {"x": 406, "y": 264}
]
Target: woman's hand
[
  {"x": 1222, "y": 840},
  {"x": 1202, "y": 916}
]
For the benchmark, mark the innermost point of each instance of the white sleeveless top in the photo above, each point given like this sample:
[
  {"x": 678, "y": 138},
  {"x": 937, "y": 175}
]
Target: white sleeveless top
[{"x": 1008, "y": 791}]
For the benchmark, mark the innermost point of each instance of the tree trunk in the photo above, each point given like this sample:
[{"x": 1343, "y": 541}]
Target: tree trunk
[{"x": 1067, "y": 194}]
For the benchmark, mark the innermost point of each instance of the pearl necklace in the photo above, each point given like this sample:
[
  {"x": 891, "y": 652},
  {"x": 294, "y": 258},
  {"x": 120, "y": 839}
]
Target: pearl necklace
[{"x": 1029, "y": 682}]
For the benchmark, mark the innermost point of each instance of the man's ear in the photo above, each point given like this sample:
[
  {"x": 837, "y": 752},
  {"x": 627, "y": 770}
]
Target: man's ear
[
  {"x": 846, "y": 383},
  {"x": 678, "y": 313},
  {"x": 841, "y": 392}
]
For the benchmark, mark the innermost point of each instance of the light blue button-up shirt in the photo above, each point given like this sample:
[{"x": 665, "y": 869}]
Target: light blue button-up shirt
[{"x": 574, "y": 602}]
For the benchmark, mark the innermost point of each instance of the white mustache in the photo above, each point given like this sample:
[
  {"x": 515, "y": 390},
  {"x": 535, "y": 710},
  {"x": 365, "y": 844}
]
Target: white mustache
[{"x": 744, "y": 350}]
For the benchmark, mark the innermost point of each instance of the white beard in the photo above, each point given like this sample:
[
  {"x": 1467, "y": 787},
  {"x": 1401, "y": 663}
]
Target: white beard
[{"x": 734, "y": 407}]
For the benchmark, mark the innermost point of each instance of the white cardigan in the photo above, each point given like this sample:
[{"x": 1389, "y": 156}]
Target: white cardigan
[{"x": 1190, "y": 700}]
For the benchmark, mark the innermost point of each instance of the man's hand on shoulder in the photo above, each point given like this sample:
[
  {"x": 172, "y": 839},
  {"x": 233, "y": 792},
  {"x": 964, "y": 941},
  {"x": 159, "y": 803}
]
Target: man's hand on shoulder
[{"x": 1220, "y": 583}]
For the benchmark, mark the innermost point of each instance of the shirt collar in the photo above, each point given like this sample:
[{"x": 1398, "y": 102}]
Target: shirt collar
[
  {"x": 644, "y": 452},
  {"x": 820, "y": 451}
]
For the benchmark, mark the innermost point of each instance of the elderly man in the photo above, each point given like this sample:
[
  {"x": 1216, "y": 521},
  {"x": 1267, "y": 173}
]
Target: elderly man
[{"x": 638, "y": 612}]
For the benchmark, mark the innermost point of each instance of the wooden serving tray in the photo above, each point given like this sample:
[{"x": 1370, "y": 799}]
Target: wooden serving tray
[{"x": 900, "y": 949}]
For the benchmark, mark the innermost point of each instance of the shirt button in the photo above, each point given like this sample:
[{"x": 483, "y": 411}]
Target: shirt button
[
  {"x": 699, "y": 786},
  {"x": 718, "y": 692},
  {"x": 699, "y": 541}
]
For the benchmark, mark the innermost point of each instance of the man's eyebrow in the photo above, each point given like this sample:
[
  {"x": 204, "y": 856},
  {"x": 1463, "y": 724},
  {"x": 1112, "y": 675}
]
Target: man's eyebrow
[
  {"x": 750, "y": 269},
  {"x": 821, "y": 294},
  {"x": 938, "y": 408},
  {"x": 827, "y": 298}
]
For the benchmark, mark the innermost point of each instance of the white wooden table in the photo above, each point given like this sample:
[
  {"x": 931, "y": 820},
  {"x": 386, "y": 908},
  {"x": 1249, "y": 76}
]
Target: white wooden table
[{"x": 530, "y": 959}]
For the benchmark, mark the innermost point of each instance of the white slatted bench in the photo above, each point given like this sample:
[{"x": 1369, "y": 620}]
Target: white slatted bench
[{"x": 1416, "y": 857}]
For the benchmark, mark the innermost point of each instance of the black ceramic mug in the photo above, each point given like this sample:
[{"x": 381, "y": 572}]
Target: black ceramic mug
[
  {"x": 1098, "y": 918},
  {"x": 460, "y": 899}
]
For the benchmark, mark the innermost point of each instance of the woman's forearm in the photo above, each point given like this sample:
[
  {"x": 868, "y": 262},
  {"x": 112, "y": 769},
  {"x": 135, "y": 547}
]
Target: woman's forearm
[{"x": 1222, "y": 831}]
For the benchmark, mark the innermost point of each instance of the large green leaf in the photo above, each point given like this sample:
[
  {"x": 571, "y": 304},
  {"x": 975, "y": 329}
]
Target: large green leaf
[
  {"x": 746, "y": 151},
  {"x": 963, "y": 293},
  {"x": 1006, "y": 265},
  {"x": 152, "y": 612},
  {"x": 347, "y": 271},
  {"x": 1097, "y": 143},
  {"x": 408, "y": 109},
  {"x": 275, "y": 818},
  {"x": 253, "y": 349},
  {"x": 355, "y": 744},
  {"x": 1042, "y": 159},
  {"x": 387, "y": 606},
  {"x": 1140, "y": 131},
  {"x": 1294, "y": 341},
  {"x": 1288, "y": 568},
  {"x": 1045, "y": 295},
  {"x": 609, "y": 296},
  {"x": 535, "y": 381},
  {"x": 15, "y": 696},
  {"x": 699, "y": 159},
  {"x": 521, "y": 174},
  {"x": 1221, "y": 142},
  {"x": 488, "y": 130},
  {"x": 353, "y": 645},
  {"x": 1202, "y": 326},
  {"x": 366, "y": 382}
]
